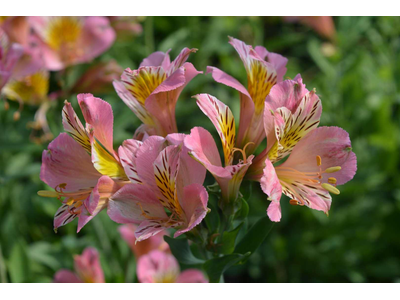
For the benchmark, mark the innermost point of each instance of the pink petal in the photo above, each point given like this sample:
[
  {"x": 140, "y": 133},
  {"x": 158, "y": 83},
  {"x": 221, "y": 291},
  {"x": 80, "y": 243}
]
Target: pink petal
[
  {"x": 88, "y": 267},
  {"x": 127, "y": 232},
  {"x": 190, "y": 171},
  {"x": 222, "y": 118},
  {"x": 270, "y": 183},
  {"x": 180, "y": 60},
  {"x": 278, "y": 61},
  {"x": 192, "y": 276},
  {"x": 98, "y": 199},
  {"x": 149, "y": 228},
  {"x": 194, "y": 204},
  {"x": 153, "y": 60},
  {"x": 98, "y": 114},
  {"x": 157, "y": 266},
  {"x": 66, "y": 276},
  {"x": 274, "y": 211},
  {"x": 63, "y": 216},
  {"x": 161, "y": 103},
  {"x": 132, "y": 102},
  {"x": 146, "y": 155},
  {"x": 272, "y": 187},
  {"x": 97, "y": 37},
  {"x": 67, "y": 162},
  {"x": 127, "y": 153},
  {"x": 222, "y": 77},
  {"x": 333, "y": 145},
  {"x": 288, "y": 94},
  {"x": 134, "y": 203}
]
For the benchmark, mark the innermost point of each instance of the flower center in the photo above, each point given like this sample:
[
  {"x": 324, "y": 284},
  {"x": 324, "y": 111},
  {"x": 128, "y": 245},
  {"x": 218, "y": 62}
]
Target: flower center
[
  {"x": 75, "y": 200},
  {"x": 293, "y": 177},
  {"x": 63, "y": 34},
  {"x": 242, "y": 151}
]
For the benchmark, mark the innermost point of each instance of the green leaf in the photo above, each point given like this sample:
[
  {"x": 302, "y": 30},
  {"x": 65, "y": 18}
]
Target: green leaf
[
  {"x": 212, "y": 219},
  {"x": 255, "y": 236},
  {"x": 217, "y": 266},
  {"x": 228, "y": 240},
  {"x": 181, "y": 250},
  {"x": 243, "y": 211},
  {"x": 18, "y": 264}
]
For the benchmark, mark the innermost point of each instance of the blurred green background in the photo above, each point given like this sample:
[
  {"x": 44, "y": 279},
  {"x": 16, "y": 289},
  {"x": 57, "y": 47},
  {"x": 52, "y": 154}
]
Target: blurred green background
[{"x": 357, "y": 75}]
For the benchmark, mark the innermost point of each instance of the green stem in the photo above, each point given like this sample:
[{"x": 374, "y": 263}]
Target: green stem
[
  {"x": 3, "y": 270},
  {"x": 149, "y": 34}
]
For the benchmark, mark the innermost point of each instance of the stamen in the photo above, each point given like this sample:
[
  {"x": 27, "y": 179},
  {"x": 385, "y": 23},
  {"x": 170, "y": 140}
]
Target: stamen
[
  {"x": 243, "y": 151},
  {"x": 319, "y": 160},
  {"x": 48, "y": 194},
  {"x": 330, "y": 188},
  {"x": 293, "y": 202},
  {"x": 333, "y": 169},
  {"x": 332, "y": 180}
]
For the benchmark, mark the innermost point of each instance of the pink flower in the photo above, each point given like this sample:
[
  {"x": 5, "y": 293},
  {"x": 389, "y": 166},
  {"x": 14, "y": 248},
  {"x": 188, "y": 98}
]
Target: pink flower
[
  {"x": 202, "y": 147},
  {"x": 291, "y": 111},
  {"x": 264, "y": 69},
  {"x": 152, "y": 91},
  {"x": 18, "y": 31},
  {"x": 84, "y": 168},
  {"x": 87, "y": 269},
  {"x": 319, "y": 162},
  {"x": 98, "y": 78},
  {"x": 9, "y": 56},
  {"x": 126, "y": 27},
  {"x": 66, "y": 41},
  {"x": 163, "y": 176},
  {"x": 161, "y": 267},
  {"x": 323, "y": 25},
  {"x": 156, "y": 242}
]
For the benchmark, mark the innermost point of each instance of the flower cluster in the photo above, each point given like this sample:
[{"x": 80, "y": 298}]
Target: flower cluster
[
  {"x": 32, "y": 47},
  {"x": 155, "y": 180}
]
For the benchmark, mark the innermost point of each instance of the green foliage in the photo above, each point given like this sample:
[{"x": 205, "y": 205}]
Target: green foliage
[{"x": 357, "y": 77}]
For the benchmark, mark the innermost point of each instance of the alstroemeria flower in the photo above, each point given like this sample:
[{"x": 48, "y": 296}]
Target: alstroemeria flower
[
  {"x": 318, "y": 163},
  {"x": 291, "y": 111},
  {"x": 66, "y": 41},
  {"x": 18, "y": 31},
  {"x": 203, "y": 148},
  {"x": 161, "y": 267},
  {"x": 264, "y": 69},
  {"x": 87, "y": 269},
  {"x": 156, "y": 242},
  {"x": 98, "y": 78},
  {"x": 166, "y": 190},
  {"x": 152, "y": 91},
  {"x": 9, "y": 56},
  {"x": 84, "y": 168}
]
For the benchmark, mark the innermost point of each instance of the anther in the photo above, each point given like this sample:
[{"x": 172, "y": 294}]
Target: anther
[
  {"x": 319, "y": 160},
  {"x": 332, "y": 180},
  {"x": 293, "y": 202},
  {"x": 333, "y": 169},
  {"x": 48, "y": 194},
  {"x": 330, "y": 188}
]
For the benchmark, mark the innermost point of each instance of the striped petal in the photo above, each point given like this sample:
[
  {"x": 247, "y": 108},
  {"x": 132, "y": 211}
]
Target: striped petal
[
  {"x": 261, "y": 75},
  {"x": 74, "y": 127},
  {"x": 290, "y": 128},
  {"x": 222, "y": 118},
  {"x": 99, "y": 119},
  {"x": 166, "y": 168},
  {"x": 127, "y": 153},
  {"x": 180, "y": 60},
  {"x": 106, "y": 162}
]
